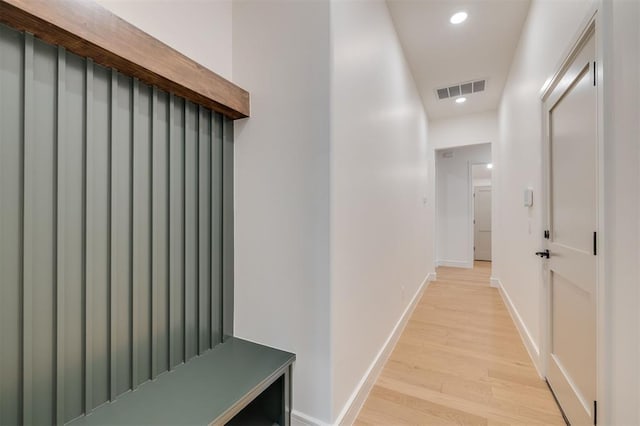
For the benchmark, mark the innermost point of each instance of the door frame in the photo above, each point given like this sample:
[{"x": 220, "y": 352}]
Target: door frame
[
  {"x": 591, "y": 27},
  {"x": 474, "y": 187},
  {"x": 472, "y": 209}
]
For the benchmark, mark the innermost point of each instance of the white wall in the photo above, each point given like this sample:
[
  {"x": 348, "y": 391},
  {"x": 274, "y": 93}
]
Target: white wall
[
  {"x": 621, "y": 377},
  {"x": 481, "y": 182},
  {"x": 546, "y": 38},
  {"x": 380, "y": 235},
  {"x": 468, "y": 129},
  {"x": 454, "y": 214},
  {"x": 200, "y": 29},
  {"x": 550, "y": 29},
  {"x": 327, "y": 274},
  {"x": 481, "y": 175},
  {"x": 281, "y": 56}
]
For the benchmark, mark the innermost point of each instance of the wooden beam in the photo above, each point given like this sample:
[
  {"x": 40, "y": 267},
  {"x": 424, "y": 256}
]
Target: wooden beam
[{"x": 88, "y": 29}]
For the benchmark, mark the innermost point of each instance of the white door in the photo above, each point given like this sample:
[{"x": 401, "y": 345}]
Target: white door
[
  {"x": 571, "y": 109},
  {"x": 482, "y": 222}
]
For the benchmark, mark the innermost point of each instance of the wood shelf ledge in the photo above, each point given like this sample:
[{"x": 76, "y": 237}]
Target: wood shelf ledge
[{"x": 88, "y": 29}]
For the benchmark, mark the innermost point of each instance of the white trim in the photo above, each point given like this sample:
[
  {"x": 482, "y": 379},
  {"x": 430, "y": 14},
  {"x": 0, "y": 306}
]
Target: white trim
[
  {"x": 604, "y": 124},
  {"x": 432, "y": 276},
  {"x": 455, "y": 263},
  {"x": 301, "y": 419},
  {"x": 357, "y": 399},
  {"x": 494, "y": 282},
  {"x": 525, "y": 335}
]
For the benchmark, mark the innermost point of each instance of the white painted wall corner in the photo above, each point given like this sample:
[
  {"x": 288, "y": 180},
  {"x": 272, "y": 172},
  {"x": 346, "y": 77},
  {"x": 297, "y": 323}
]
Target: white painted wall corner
[{"x": 525, "y": 335}]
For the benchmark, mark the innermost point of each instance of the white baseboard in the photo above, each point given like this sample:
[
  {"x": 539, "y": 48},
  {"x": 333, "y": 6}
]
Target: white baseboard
[
  {"x": 301, "y": 419},
  {"x": 494, "y": 282},
  {"x": 455, "y": 264},
  {"x": 525, "y": 335},
  {"x": 354, "y": 404}
]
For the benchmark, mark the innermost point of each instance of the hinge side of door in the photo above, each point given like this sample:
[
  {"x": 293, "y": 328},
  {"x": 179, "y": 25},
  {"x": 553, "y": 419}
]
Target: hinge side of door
[
  {"x": 595, "y": 413},
  {"x": 547, "y": 234},
  {"x": 595, "y": 79},
  {"x": 595, "y": 243}
]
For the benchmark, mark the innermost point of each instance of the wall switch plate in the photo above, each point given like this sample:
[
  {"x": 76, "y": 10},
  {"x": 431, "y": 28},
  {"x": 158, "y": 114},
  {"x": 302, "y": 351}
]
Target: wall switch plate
[{"x": 528, "y": 197}]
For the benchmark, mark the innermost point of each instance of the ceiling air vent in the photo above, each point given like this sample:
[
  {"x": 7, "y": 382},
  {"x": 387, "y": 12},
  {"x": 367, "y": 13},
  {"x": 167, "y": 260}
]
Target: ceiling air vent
[
  {"x": 443, "y": 93},
  {"x": 461, "y": 89}
]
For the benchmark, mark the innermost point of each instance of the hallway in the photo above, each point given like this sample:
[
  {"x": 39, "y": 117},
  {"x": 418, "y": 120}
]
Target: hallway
[{"x": 460, "y": 360}]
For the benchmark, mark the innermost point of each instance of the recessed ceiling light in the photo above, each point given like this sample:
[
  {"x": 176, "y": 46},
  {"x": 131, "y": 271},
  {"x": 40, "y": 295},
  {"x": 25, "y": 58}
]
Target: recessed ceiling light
[
  {"x": 458, "y": 18},
  {"x": 461, "y": 100},
  {"x": 490, "y": 166}
]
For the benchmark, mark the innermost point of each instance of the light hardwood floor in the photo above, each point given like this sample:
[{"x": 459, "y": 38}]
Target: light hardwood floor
[{"x": 460, "y": 361}]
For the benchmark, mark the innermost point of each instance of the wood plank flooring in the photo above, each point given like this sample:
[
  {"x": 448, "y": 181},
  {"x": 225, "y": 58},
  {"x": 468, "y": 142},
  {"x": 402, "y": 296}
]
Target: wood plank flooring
[{"x": 460, "y": 361}]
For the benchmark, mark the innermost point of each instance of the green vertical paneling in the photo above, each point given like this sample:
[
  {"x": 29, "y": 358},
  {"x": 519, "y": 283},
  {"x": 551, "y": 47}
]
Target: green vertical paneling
[
  {"x": 70, "y": 232},
  {"x": 135, "y": 242},
  {"x": 142, "y": 231},
  {"x": 11, "y": 220},
  {"x": 191, "y": 231},
  {"x": 88, "y": 240},
  {"x": 116, "y": 232},
  {"x": 216, "y": 228},
  {"x": 204, "y": 229},
  {"x": 97, "y": 190},
  {"x": 29, "y": 200},
  {"x": 113, "y": 264},
  {"x": 121, "y": 229},
  {"x": 40, "y": 230},
  {"x": 227, "y": 228},
  {"x": 160, "y": 230},
  {"x": 176, "y": 230},
  {"x": 61, "y": 107}
]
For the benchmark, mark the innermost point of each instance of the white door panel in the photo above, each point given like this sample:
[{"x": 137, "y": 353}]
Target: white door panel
[
  {"x": 577, "y": 265},
  {"x": 573, "y": 329},
  {"x": 573, "y": 164}
]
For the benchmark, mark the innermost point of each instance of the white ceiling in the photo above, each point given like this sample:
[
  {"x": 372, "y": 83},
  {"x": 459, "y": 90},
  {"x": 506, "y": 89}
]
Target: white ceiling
[{"x": 441, "y": 54}]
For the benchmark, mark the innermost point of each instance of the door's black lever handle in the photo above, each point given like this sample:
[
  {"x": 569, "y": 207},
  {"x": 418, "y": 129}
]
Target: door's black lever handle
[{"x": 543, "y": 253}]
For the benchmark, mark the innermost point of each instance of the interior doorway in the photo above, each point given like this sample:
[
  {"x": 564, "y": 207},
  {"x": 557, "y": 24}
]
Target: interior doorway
[
  {"x": 571, "y": 251},
  {"x": 481, "y": 190},
  {"x": 455, "y": 231}
]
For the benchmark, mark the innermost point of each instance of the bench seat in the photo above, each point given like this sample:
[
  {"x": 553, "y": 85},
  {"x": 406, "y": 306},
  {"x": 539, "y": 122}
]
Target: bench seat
[{"x": 210, "y": 389}]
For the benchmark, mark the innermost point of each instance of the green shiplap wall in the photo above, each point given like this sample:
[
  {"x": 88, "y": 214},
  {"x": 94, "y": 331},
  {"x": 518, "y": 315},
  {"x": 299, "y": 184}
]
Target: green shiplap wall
[{"x": 116, "y": 232}]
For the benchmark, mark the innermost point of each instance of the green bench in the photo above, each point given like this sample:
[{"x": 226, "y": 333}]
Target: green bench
[{"x": 236, "y": 383}]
